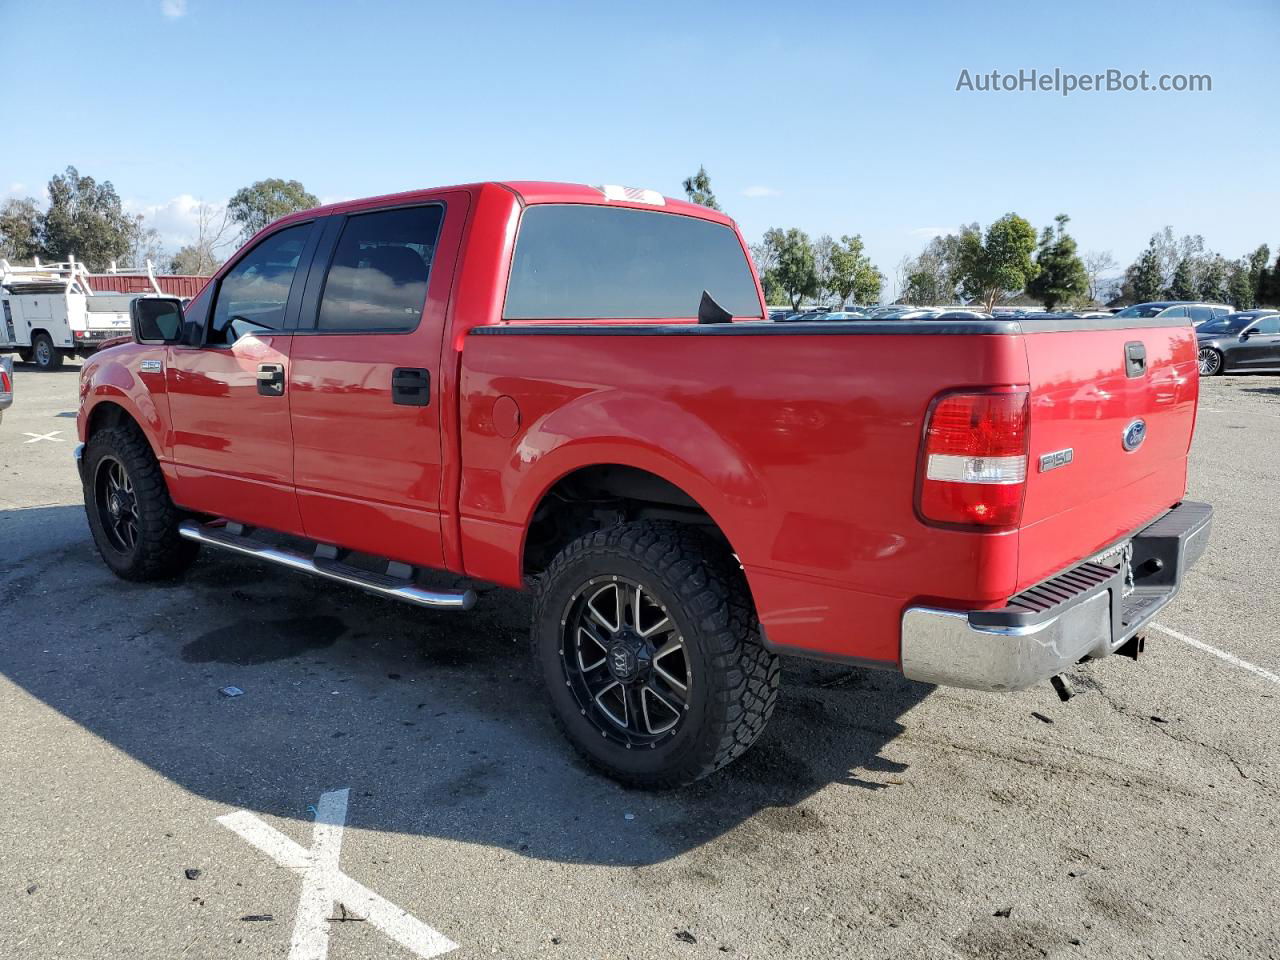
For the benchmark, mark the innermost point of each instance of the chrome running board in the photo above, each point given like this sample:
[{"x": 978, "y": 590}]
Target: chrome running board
[{"x": 382, "y": 584}]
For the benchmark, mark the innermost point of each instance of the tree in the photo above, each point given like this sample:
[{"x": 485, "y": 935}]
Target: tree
[
  {"x": 202, "y": 257},
  {"x": 794, "y": 273},
  {"x": 85, "y": 221},
  {"x": 1240, "y": 290},
  {"x": 851, "y": 275},
  {"x": 822, "y": 251},
  {"x": 1059, "y": 275},
  {"x": 1257, "y": 266},
  {"x": 998, "y": 263},
  {"x": 1213, "y": 280},
  {"x": 698, "y": 189},
  {"x": 931, "y": 277},
  {"x": 1144, "y": 279},
  {"x": 266, "y": 201},
  {"x": 1097, "y": 263},
  {"x": 1183, "y": 285},
  {"x": 144, "y": 243},
  {"x": 20, "y": 229}
]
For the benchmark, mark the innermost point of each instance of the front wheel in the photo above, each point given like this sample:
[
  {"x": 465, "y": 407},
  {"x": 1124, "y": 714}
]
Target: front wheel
[
  {"x": 1209, "y": 362},
  {"x": 44, "y": 353},
  {"x": 648, "y": 644},
  {"x": 133, "y": 521}
]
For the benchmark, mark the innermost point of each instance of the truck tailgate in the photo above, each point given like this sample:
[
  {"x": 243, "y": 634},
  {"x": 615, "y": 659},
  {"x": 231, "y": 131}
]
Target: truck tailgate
[{"x": 1093, "y": 392}]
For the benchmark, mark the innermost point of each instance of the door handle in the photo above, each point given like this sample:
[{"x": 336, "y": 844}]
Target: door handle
[
  {"x": 271, "y": 379},
  {"x": 411, "y": 386}
]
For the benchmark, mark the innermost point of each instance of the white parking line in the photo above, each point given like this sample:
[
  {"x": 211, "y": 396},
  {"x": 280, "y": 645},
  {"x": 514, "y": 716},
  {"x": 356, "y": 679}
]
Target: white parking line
[
  {"x": 324, "y": 883},
  {"x": 1221, "y": 654}
]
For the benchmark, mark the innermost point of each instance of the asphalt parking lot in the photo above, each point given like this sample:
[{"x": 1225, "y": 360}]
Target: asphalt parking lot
[{"x": 876, "y": 818}]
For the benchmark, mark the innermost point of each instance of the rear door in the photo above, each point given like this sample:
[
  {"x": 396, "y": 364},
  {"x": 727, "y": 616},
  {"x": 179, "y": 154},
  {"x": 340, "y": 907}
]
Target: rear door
[
  {"x": 365, "y": 380},
  {"x": 1112, "y": 411}
]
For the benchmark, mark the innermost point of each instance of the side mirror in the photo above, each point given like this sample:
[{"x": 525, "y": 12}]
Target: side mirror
[{"x": 156, "y": 319}]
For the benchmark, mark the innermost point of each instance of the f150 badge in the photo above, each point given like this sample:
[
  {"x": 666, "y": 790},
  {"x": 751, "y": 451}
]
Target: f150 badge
[
  {"x": 1059, "y": 458},
  {"x": 1134, "y": 434}
]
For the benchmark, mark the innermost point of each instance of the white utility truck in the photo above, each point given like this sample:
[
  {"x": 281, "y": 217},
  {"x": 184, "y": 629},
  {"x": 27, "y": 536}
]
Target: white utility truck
[{"x": 51, "y": 312}]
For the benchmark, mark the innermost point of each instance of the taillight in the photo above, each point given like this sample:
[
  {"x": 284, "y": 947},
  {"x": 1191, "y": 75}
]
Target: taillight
[
  {"x": 975, "y": 459},
  {"x": 6, "y": 385}
]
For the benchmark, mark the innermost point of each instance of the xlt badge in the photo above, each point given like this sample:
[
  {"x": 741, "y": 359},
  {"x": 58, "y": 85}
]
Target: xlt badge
[{"x": 1059, "y": 458}]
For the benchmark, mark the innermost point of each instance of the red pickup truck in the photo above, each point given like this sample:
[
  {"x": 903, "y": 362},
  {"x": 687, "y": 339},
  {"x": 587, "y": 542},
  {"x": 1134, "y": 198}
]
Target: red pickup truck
[{"x": 578, "y": 390}]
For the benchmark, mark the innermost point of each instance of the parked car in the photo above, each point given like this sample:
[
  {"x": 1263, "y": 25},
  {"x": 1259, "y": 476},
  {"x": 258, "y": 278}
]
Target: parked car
[
  {"x": 6, "y": 385},
  {"x": 1240, "y": 342},
  {"x": 845, "y": 315},
  {"x": 1197, "y": 312},
  {"x": 963, "y": 315},
  {"x": 575, "y": 389},
  {"x": 805, "y": 316}
]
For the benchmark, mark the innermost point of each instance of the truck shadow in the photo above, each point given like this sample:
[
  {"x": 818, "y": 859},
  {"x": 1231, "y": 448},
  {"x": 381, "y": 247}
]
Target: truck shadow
[{"x": 433, "y": 721}]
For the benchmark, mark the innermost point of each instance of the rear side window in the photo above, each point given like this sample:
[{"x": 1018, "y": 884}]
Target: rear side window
[
  {"x": 377, "y": 281},
  {"x": 1200, "y": 313},
  {"x": 578, "y": 262}
]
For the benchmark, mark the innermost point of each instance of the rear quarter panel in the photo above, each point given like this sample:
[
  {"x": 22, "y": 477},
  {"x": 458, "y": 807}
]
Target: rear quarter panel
[{"x": 802, "y": 447}]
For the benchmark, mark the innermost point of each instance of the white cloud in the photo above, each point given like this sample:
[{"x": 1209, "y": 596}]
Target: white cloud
[
  {"x": 177, "y": 220},
  {"x": 173, "y": 9},
  {"x": 760, "y": 190}
]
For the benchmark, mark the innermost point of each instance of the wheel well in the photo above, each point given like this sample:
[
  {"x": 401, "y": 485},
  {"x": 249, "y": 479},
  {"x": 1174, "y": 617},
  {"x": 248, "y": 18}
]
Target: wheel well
[
  {"x": 107, "y": 414},
  {"x": 604, "y": 495}
]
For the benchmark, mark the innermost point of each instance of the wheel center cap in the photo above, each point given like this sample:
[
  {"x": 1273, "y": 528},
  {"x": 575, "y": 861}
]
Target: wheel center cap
[
  {"x": 114, "y": 506},
  {"x": 628, "y": 659}
]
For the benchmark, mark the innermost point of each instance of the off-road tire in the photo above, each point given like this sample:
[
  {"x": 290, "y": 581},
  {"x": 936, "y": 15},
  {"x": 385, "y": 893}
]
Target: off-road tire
[
  {"x": 159, "y": 553},
  {"x": 734, "y": 677},
  {"x": 44, "y": 354}
]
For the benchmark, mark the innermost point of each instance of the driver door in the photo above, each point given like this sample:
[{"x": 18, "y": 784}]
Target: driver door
[{"x": 231, "y": 445}]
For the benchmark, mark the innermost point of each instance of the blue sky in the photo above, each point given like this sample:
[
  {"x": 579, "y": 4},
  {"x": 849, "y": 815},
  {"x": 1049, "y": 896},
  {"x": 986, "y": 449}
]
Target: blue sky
[{"x": 834, "y": 117}]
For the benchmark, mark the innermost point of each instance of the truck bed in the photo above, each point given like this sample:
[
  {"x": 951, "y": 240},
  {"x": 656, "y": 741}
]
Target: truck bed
[{"x": 803, "y": 442}]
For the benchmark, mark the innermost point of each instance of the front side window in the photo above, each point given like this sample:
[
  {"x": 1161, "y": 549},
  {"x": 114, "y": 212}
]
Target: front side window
[
  {"x": 377, "y": 281},
  {"x": 253, "y": 294},
  {"x": 1269, "y": 324},
  {"x": 579, "y": 262},
  {"x": 1200, "y": 313}
]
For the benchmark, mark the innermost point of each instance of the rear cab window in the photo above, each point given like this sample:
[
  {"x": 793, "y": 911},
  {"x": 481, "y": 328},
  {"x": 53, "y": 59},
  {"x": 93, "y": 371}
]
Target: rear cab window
[{"x": 584, "y": 262}]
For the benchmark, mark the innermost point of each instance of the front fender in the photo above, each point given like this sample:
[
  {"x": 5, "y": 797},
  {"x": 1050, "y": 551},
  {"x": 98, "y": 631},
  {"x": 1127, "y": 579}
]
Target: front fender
[{"x": 108, "y": 378}]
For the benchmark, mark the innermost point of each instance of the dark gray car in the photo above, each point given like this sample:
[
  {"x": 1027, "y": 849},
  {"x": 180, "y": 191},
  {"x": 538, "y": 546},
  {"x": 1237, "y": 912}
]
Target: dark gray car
[{"x": 1248, "y": 341}]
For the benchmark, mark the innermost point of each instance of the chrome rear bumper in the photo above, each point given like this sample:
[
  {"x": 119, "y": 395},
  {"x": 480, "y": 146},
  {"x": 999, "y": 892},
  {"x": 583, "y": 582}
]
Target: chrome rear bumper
[{"x": 1087, "y": 611}]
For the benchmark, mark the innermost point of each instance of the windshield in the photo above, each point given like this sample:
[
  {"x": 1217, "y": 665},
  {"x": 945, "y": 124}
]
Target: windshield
[
  {"x": 1232, "y": 324},
  {"x": 1142, "y": 310}
]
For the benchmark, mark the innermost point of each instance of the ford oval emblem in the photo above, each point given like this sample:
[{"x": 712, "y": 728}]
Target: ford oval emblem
[{"x": 1134, "y": 434}]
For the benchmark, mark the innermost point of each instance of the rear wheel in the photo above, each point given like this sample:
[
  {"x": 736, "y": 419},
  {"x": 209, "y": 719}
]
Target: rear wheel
[
  {"x": 133, "y": 521},
  {"x": 647, "y": 641},
  {"x": 44, "y": 353},
  {"x": 1210, "y": 362}
]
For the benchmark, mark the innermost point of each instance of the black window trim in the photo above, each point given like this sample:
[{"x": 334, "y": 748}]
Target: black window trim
[
  {"x": 295, "y": 290},
  {"x": 309, "y": 308},
  {"x": 515, "y": 243}
]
